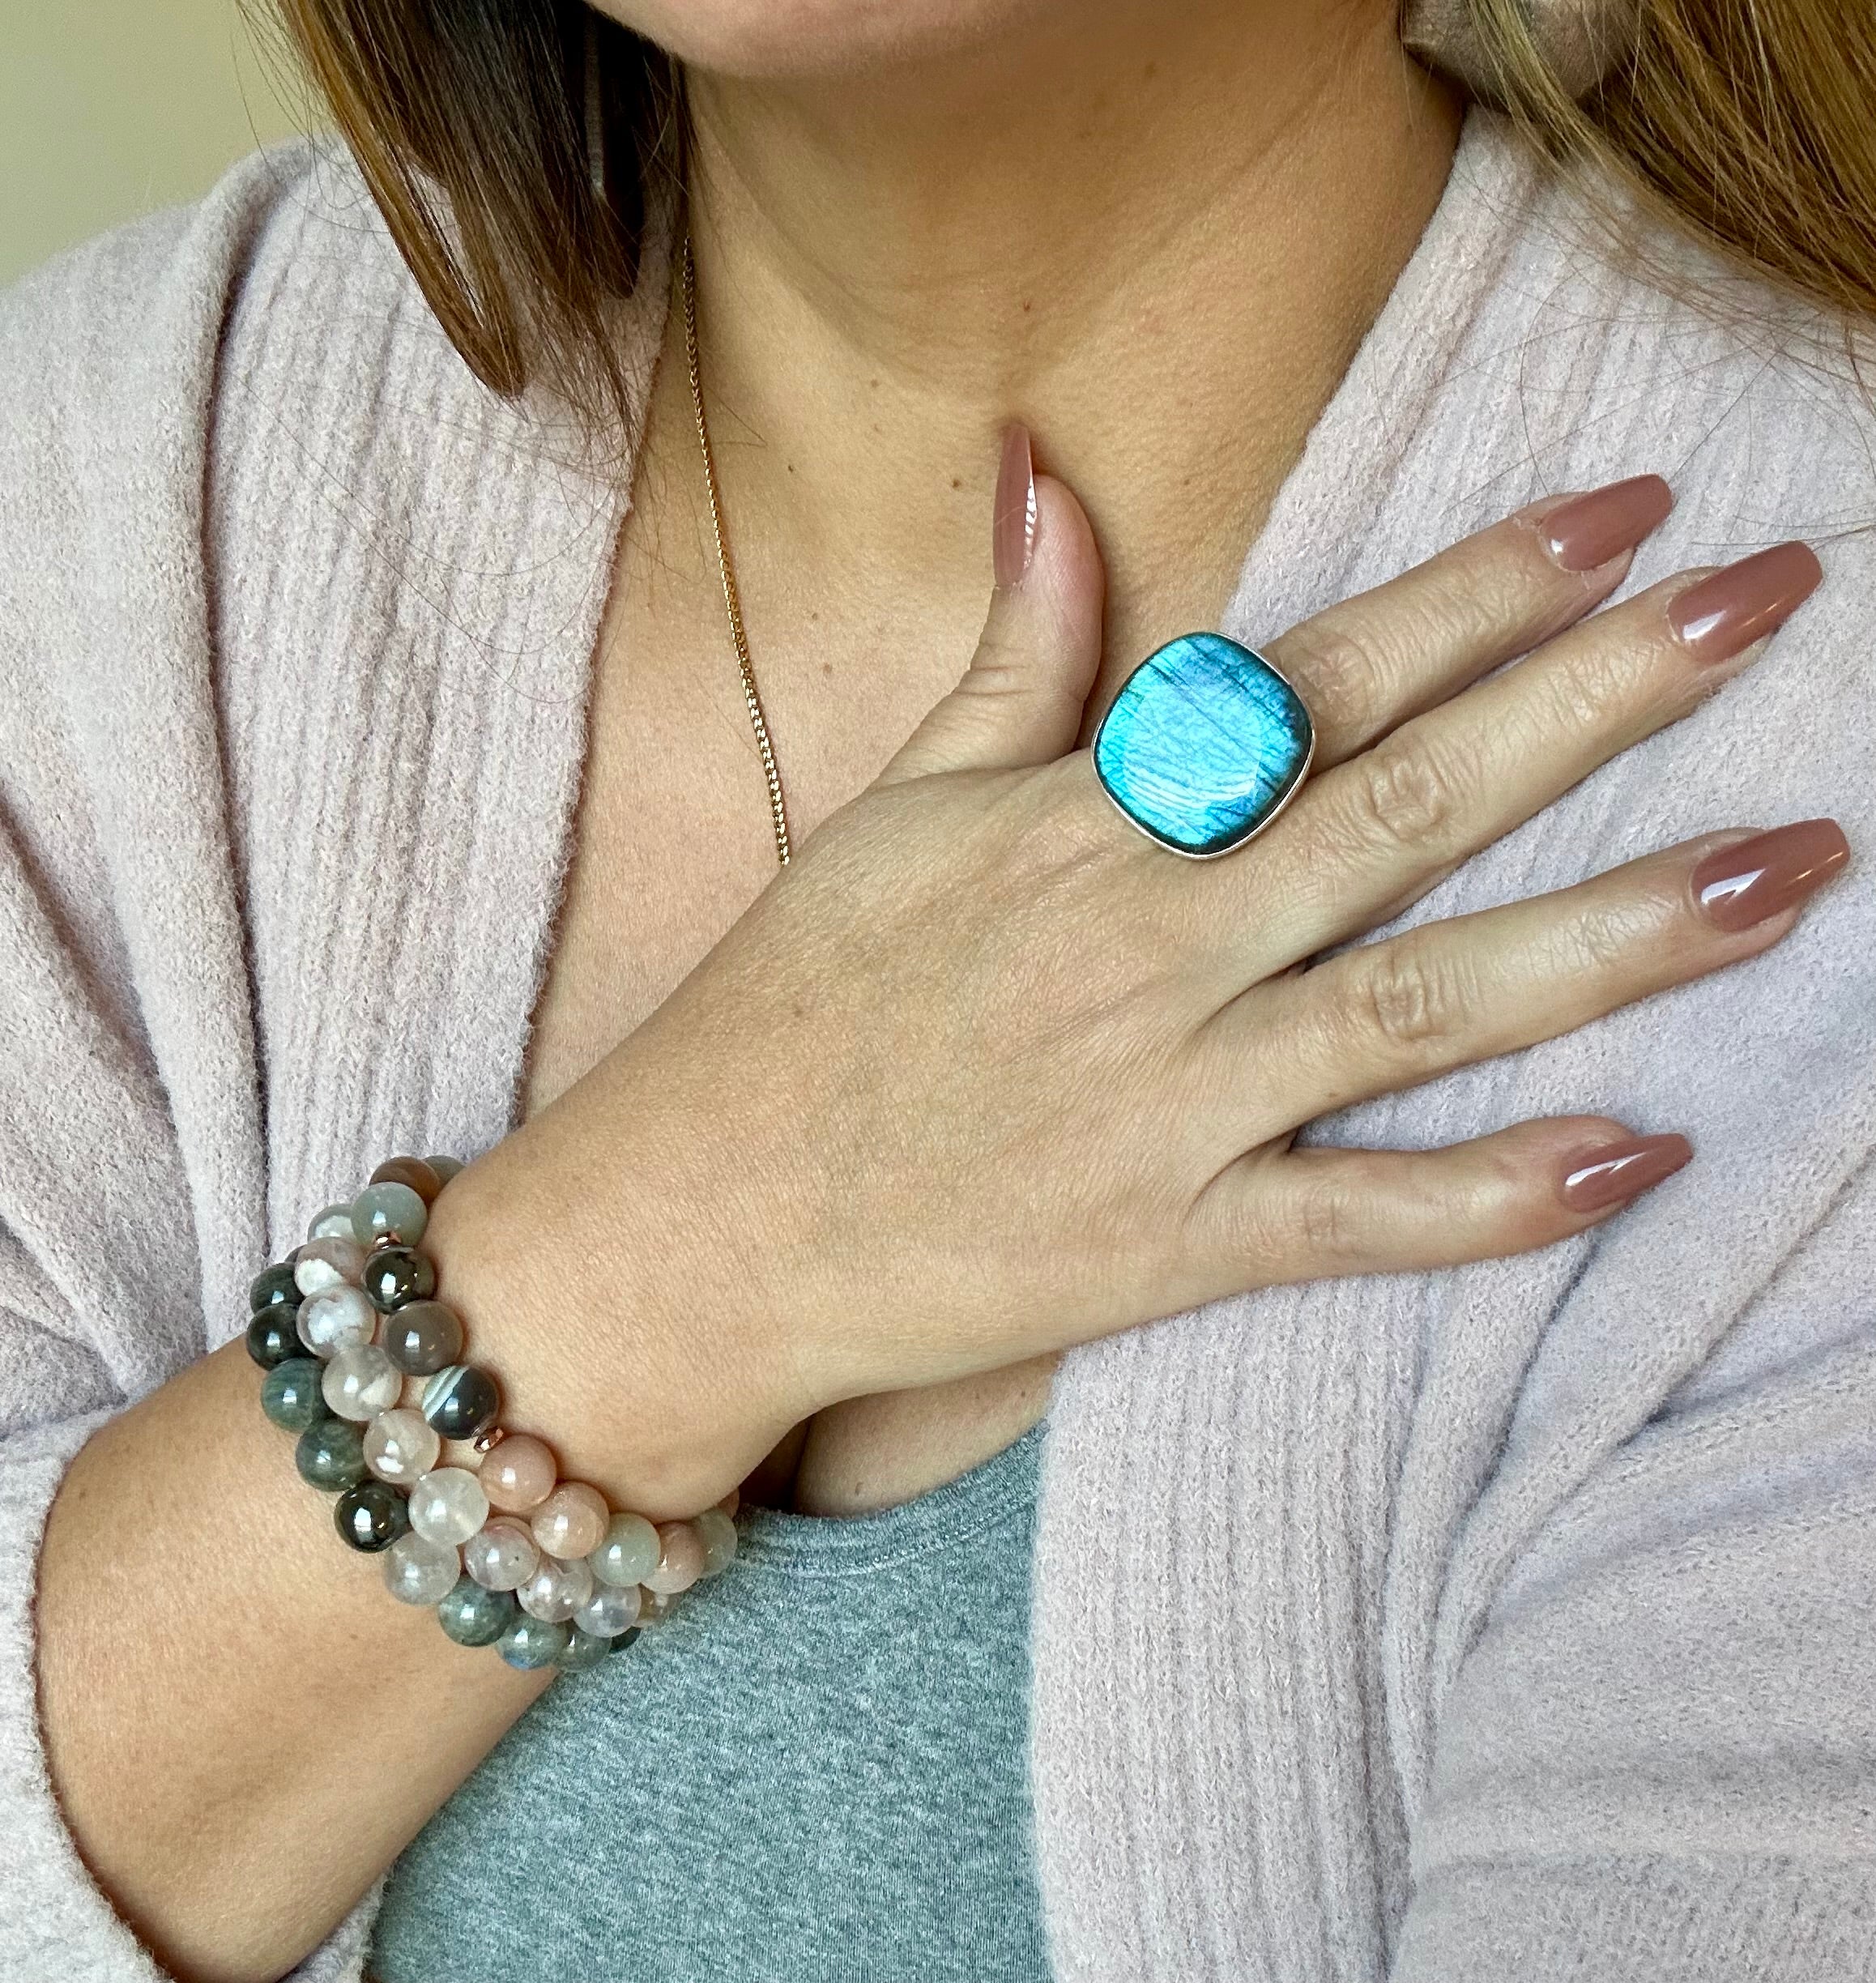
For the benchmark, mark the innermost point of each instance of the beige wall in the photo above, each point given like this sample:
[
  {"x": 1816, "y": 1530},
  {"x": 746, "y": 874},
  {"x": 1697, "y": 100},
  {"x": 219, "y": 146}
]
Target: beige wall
[{"x": 110, "y": 108}]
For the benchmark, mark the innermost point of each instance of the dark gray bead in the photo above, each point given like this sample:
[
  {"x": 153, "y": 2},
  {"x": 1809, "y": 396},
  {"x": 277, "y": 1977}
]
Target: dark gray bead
[
  {"x": 293, "y": 1397},
  {"x": 396, "y": 1275},
  {"x": 425, "y": 1337},
  {"x": 371, "y": 1516},
  {"x": 627, "y": 1637},
  {"x": 273, "y": 1337},
  {"x": 475, "y": 1617},
  {"x": 330, "y": 1455},
  {"x": 461, "y": 1402},
  {"x": 274, "y": 1289}
]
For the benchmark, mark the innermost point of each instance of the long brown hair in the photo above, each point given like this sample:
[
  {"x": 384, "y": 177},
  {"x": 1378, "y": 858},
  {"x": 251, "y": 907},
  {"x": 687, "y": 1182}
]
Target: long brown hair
[{"x": 479, "y": 125}]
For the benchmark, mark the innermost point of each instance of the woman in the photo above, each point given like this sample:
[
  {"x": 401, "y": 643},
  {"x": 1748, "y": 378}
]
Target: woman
[{"x": 1475, "y": 1580}]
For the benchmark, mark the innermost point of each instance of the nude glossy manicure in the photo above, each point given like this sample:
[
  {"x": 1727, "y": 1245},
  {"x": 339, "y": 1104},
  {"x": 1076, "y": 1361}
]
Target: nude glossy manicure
[
  {"x": 1727, "y": 611},
  {"x": 1616, "y": 1172},
  {"x": 1012, "y": 534},
  {"x": 1588, "y": 530},
  {"x": 1753, "y": 879}
]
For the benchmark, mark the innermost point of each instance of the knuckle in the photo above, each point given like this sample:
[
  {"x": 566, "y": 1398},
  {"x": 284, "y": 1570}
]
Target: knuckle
[
  {"x": 1325, "y": 1221},
  {"x": 1414, "y": 997},
  {"x": 1405, "y": 796},
  {"x": 1341, "y": 667}
]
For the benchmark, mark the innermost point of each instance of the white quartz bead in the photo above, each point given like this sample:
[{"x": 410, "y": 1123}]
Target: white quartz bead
[
  {"x": 609, "y": 1610},
  {"x": 341, "y": 1318},
  {"x": 325, "y": 1263},
  {"x": 448, "y": 1505},
  {"x": 417, "y": 1571},
  {"x": 361, "y": 1381},
  {"x": 502, "y": 1555},
  {"x": 557, "y": 1590},
  {"x": 400, "y": 1444}
]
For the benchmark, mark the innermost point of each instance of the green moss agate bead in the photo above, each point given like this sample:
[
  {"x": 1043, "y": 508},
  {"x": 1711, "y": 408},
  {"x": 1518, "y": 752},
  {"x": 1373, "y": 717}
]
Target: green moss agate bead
[
  {"x": 530, "y": 1643},
  {"x": 330, "y": 1455},
  {"x": 475, "y": 1617},
  {"x": 461, "y": 1402},
  {"x": 291, "y": 1396},
  {"x": 392, "y": 1212},
  {"x": 581, "y": 1651},
  {"x": 275, "y": 1289},
  {"x": 395, "y": 1276},
  {"x": 371, "y": 1516},
  {"x": 274, "y": 1336}
]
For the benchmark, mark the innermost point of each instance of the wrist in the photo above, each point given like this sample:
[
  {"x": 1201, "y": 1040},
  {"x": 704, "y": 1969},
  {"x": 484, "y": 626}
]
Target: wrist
[{"x": 636, "y": 1362}]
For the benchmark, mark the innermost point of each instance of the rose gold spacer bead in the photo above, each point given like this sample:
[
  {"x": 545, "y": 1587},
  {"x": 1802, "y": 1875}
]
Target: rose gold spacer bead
[{"x": 488, "y": 1438}]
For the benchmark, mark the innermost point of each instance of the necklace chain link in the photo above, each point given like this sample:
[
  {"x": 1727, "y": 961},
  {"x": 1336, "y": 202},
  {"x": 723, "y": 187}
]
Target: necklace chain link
[{"x": 777, "y": 809}]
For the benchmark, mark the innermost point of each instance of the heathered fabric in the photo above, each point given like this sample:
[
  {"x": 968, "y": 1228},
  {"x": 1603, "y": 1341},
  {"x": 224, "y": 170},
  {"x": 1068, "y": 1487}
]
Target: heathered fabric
[
  {"x": 813, "y": 1772},
  {"x": 1510, "y": 1621}
]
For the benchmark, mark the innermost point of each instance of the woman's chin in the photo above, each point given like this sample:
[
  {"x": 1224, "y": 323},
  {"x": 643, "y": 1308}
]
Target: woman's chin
[{"x": 783, "y": 38}]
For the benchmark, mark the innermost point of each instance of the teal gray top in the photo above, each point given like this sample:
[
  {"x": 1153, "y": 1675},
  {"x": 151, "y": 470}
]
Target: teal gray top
[{"x": 816, "y": 1768}]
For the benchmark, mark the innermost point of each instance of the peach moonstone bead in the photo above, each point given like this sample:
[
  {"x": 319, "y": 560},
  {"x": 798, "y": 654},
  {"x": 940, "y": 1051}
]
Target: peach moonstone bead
[
  {"x": 572, "y": 1521},
  {"x": 681, "y": 1560},
  {"x": 519, "y": 1474}
]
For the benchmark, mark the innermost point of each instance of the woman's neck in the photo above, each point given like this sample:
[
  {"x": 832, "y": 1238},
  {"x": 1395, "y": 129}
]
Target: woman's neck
[{"x": 1156, "y": 234}]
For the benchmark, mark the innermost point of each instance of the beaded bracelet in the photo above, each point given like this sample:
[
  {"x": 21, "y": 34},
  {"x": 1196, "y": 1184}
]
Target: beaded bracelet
[{"x": 542, "y": 1569}]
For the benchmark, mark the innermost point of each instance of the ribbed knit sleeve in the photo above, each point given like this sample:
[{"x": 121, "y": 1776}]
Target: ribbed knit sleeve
[{"x": 130, "y": 1157}]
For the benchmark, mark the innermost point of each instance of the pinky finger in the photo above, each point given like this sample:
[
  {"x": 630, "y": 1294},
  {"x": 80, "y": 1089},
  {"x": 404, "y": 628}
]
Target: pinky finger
[{"x": 1311, "y": 1213}]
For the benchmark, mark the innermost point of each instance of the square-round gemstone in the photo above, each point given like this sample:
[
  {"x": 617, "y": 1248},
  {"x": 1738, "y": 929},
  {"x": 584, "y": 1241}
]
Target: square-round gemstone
[{"x": 1204, "y": 741}]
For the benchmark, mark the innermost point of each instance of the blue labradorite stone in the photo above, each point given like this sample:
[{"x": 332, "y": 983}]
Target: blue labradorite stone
[
  {"x": 475, "y": 1617},
  {"x": 1204, "y": 741},
  {"x": 583, "y": 1649},
  {"x": 530, "y": 1643}
]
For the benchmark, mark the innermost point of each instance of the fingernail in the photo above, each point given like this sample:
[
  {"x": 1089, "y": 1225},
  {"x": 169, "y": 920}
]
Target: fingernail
[
  {"x": 1588, "y": 530},
  {"x": 1753, "y": 879},
  {"x": 1013, "y": 533},
  {"x": 1726, "y": 613},
  {"x": 1616, "y": 1172}
]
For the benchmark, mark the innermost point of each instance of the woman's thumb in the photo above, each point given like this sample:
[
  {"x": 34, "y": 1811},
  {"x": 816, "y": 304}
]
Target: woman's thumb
[{"x": 1021, "y": 698}]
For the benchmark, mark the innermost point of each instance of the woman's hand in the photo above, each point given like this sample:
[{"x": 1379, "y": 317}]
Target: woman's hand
[{"x": 986, "y": 1073}]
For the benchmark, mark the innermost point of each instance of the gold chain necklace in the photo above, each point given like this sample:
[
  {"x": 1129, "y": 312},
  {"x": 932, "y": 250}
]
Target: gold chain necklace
[{"x": 771, "y": 771}]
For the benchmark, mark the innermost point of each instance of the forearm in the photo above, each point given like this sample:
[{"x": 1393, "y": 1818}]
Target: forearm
[{"x": 243, "y": 1727}]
